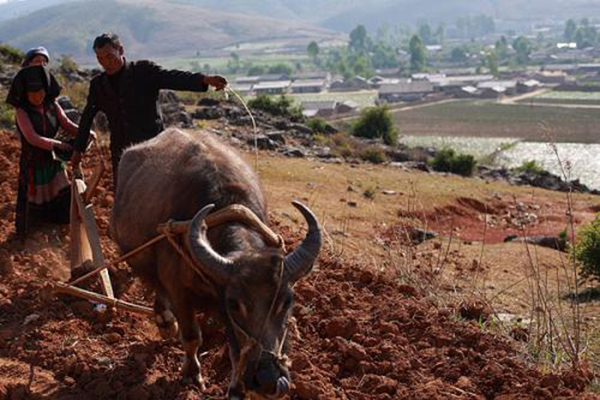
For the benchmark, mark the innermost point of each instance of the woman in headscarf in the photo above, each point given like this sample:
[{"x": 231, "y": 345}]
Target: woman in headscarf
[
  {"x": 36, "y": 56},
  {"x": 44, "y": 189}
]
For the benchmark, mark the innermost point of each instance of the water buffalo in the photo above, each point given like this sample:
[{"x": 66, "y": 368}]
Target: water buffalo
[{"x": 181, "y": 176}]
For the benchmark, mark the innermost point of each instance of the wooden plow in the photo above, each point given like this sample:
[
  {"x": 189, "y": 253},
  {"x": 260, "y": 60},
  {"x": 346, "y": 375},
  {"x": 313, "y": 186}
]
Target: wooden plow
[{"x": 86, "y": 248}]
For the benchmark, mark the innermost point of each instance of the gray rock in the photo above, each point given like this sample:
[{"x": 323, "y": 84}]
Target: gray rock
[
  {"x": 418, "y": 235},
  {"x": 276, "y": 136},
  {"x": 293, "y": 152},
  {"x": 263, "y": 142},
  {"x": 65, "y": 103}
]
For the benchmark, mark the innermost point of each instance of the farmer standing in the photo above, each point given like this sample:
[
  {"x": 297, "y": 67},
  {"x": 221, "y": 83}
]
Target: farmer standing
[{"x": 127, "y": 92}]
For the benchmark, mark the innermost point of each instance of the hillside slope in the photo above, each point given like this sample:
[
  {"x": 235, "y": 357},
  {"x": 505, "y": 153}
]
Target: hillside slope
[
  {"x": 149, "y": 28},
  {"x": 360, "y": 333}
]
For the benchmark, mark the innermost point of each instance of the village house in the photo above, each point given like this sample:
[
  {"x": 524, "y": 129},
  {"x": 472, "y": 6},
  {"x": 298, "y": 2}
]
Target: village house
[
  {"x": 271, "y": 87},
  {"x": 509, "y": 87},
  {"x": 346, "y": 107},
  {"x": 492, "y": 92},
  {"x": 319, "y": 108},
  {"x": 467, "y": 92},
  {"x": 407, "y": 91},
  {"x": 529, "y": 85},
  {"x": 312, "y": 75},
  {"x": 273, "y": 78},
  {"x": 308, "y": 86},
  {"x": 377, "y": 81},
  {"x": 350, "y": 84},
  {"x": 550, "y": 77},
  {"x": 246, "y": 80}
]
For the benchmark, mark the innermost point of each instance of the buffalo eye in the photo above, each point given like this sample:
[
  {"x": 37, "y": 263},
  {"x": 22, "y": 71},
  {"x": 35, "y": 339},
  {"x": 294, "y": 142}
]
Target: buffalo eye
[
  {"x": 233, "y": 305},
  {"x": 237, "y": 307}
]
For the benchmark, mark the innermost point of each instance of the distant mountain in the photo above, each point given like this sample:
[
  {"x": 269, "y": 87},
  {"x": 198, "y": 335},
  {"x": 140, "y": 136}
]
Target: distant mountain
[
  {"x": 17, "y": 8},
  {"x": 148, "y": 28},
  {"x": 397, "y": 12}
]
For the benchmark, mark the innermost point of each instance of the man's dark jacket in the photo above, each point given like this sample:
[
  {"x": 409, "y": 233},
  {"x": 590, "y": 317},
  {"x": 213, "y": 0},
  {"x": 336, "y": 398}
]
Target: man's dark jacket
[{"x": 132, "y": 110}]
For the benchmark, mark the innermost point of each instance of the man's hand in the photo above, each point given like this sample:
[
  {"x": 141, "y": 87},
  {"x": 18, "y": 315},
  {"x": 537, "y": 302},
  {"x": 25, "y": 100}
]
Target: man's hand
[
  {"x": 75, "y": 160},
  {"x": 217, "y": 81}
]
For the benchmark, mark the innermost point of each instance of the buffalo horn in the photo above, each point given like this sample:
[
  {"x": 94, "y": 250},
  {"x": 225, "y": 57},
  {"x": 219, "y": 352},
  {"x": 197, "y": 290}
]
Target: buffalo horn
[
  {"x": 299, "y": 263},
  {"x": 209, "y": 260}
]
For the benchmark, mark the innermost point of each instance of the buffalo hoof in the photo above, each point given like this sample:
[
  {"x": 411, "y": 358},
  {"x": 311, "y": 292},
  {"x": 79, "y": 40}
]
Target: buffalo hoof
[
  {"x": 191, "y": 374},
  {"x": 196, "y": 380},
  {"x": 167, "y": 325}
]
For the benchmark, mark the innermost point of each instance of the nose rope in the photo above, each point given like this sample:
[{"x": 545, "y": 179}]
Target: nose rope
[
  {"x": 254, "y": 127},
  {"x": 250, "y": 341}
]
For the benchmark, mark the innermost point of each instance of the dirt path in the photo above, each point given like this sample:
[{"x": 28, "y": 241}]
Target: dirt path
[
  {"x": 399, "y": 108},
  {"x": 514, "y": 99}
]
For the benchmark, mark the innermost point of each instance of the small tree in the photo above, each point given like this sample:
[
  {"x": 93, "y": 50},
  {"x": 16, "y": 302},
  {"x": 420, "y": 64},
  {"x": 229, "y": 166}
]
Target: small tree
[
  {"x": 523, "y": 48},
  {"x": 417, "y": 54},
  {"x": 358, "y": 39},
  {"x": 376, "y": 122},
  {"x": 587, "y": 248},
  {"x": 313, "y": 50},
  {"x": 570, "y": 31},
  {"x": 491, "y": 61}
]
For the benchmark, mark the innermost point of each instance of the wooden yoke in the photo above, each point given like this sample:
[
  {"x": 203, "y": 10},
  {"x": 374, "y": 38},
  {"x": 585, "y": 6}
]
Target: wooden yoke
[{"x": 233, "y": 213}]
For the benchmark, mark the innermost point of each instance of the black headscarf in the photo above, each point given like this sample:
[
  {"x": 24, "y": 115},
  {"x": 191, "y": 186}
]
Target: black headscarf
[{"x": 31, "y": 79}]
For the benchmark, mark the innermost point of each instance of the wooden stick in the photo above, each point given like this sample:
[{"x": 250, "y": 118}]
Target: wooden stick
[
  {"x": 124, "y": 257},
  {"x": 98, "y": 298},
  {"x": 95, "y": 180},
  {"x": 89, "y": 222}
]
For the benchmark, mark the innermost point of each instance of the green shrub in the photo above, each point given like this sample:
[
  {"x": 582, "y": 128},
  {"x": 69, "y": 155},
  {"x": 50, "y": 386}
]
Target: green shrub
[
  {"x": 318, "y": 125},
  {"x": 448, "y": 161},
  {"x": 67, "y": 64},
  {"x": 587, "y": 248},
  {"x": 344, "y": 145},
  {"x": 376, "y": 122},
  {"x": 7, "y": 115},
  {"x": 531, "y": 166},
  {"x": 374, "y": 155},
  {"x": 283, "y": 106},
  {"x": 10, "y": 55}
]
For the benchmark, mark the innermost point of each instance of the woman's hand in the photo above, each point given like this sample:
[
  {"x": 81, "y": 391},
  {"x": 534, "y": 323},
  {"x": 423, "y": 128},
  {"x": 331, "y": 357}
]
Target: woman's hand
[{"x": 62, "y": 146}]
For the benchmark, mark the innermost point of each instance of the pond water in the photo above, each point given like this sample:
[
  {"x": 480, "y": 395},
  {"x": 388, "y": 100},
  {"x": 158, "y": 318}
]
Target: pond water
[{"x": 579, "y": 161}]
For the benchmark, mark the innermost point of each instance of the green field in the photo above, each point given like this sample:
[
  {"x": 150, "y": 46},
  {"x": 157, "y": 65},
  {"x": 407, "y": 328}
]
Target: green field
[
  {"x": 364, "y": 98},
  {"x": 490, "y": 119},
  {"x": 576, "y": 98},
  {"x": 220, "y": 63},
  {"x": 558, "y": 95}
]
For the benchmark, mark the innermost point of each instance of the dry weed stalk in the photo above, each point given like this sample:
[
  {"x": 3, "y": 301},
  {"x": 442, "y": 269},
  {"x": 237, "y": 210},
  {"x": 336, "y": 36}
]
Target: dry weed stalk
[{"x": 557, "y": 329}]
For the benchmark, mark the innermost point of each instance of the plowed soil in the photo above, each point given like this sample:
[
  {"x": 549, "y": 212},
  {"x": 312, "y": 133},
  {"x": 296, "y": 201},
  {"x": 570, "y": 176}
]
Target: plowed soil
[{"x": 356, "y": 333}]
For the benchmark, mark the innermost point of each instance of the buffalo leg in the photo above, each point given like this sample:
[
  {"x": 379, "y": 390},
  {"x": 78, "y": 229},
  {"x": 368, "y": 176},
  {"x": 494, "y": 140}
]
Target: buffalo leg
[
  {"x": 191, "y": 339},
  {"x": 164, "y": 317}
]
